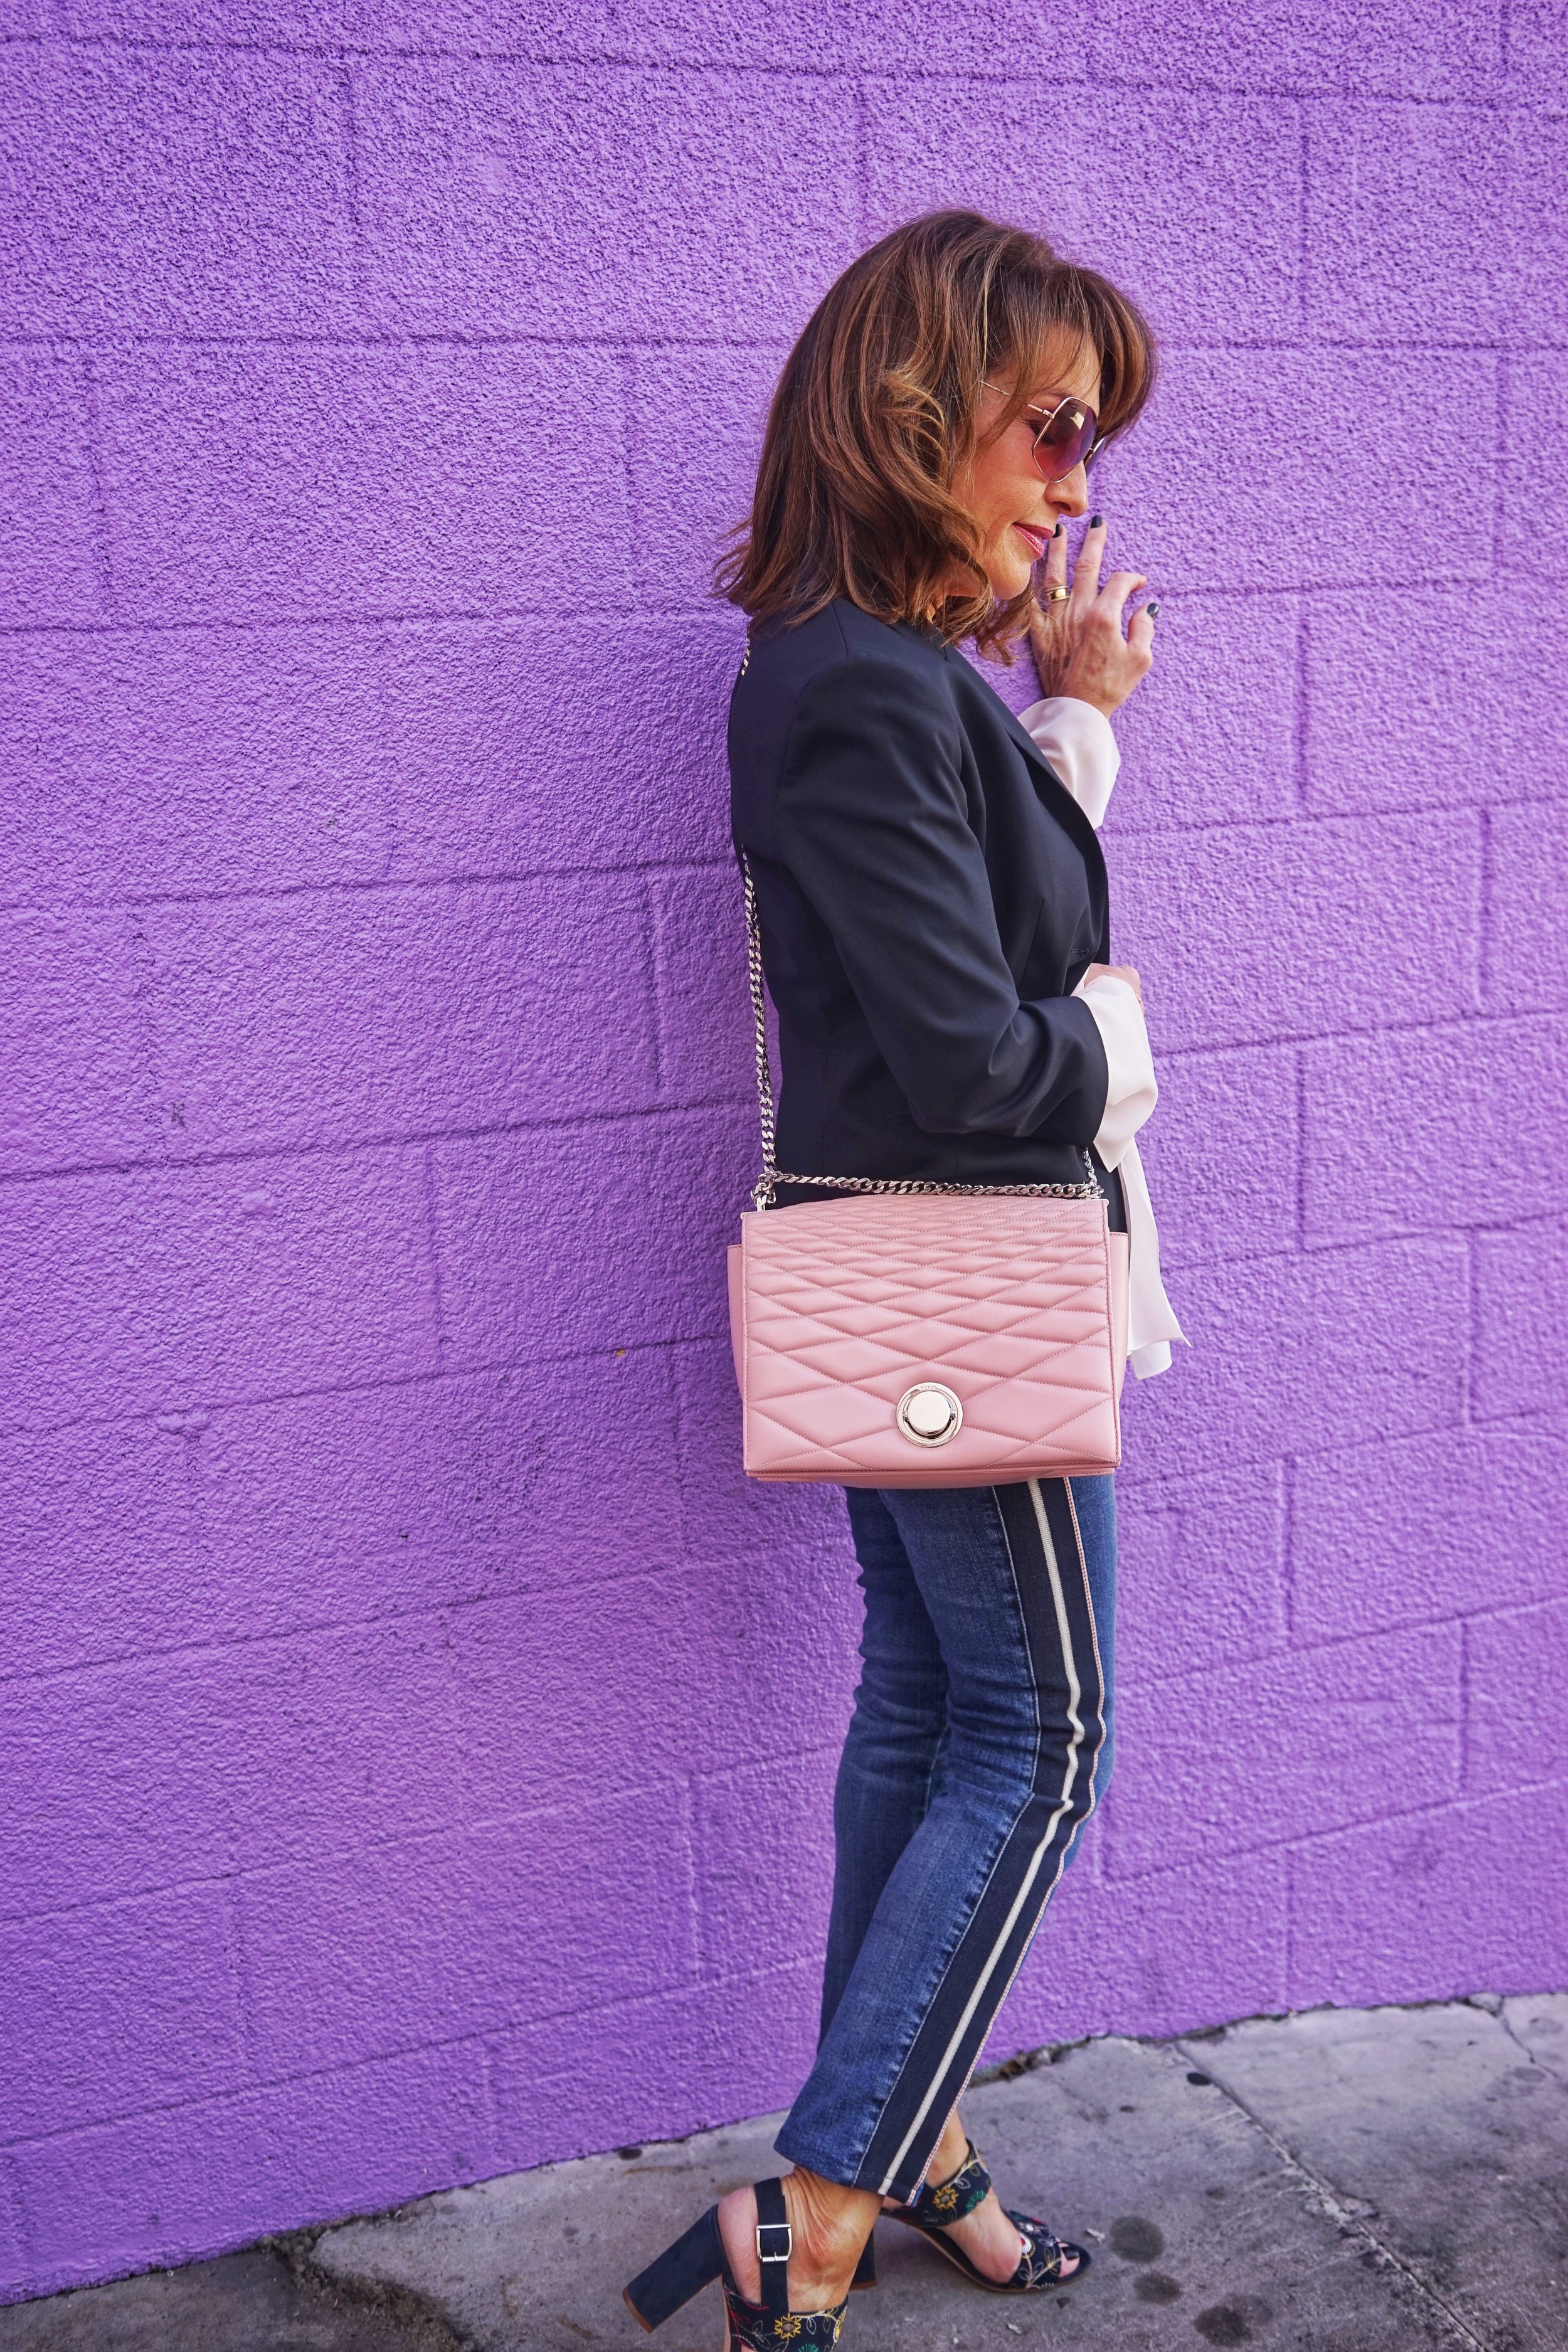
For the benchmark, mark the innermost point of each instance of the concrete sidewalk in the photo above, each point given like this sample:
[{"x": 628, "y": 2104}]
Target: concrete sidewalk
[{"x": 1342, "y": 2182}]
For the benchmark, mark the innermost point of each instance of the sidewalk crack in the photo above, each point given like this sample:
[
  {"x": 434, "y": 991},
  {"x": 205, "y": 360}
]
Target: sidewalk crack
[
  {"x": 1499, "y": 2017},
  {"x": 1325, "y": 2195}
]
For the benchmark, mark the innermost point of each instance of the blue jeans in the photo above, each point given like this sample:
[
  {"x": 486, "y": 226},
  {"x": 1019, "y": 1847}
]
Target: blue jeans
[{"x": 980, "y": 1740}]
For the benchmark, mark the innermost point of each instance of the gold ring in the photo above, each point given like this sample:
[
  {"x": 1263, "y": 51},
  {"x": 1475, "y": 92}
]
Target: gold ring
[{"x": 1058, "y": 595}]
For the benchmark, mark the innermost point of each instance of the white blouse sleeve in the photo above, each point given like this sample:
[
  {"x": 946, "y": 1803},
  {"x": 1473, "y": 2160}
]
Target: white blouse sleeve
[
  {"x": 1077, "y": 740},
  {"x": 1132, "y": 1092},
  {"x": 1130, "y": 1098}
]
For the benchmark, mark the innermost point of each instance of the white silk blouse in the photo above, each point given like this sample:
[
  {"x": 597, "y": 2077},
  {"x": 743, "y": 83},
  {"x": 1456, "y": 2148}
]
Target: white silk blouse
[{"x": 1077, "y": 740}]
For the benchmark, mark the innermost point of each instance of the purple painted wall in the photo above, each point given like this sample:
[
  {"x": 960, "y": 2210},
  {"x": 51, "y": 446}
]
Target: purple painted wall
[{"x": 394, "y": 1784}]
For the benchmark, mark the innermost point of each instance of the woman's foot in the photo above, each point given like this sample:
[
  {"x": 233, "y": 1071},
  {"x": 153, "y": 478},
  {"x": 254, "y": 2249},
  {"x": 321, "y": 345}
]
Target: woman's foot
[
  {"x": 828, "y": 2226},
  {"x": 986, "y": 2235}
]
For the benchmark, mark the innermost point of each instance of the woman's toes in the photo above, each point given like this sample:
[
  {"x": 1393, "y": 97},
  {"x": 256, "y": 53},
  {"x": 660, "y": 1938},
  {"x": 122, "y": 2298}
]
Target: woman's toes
[{"x": 990, "y": 2240}]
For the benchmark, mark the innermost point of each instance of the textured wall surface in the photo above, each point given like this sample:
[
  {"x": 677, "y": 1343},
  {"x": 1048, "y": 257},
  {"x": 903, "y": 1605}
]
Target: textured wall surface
[{"x": 414, "y": 1740}]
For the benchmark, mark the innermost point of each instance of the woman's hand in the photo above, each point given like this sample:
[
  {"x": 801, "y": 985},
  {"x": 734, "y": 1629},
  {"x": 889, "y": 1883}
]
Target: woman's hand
[
  {"x": 1115, "y": 971},
  {"x": 1076, "y": 641}
]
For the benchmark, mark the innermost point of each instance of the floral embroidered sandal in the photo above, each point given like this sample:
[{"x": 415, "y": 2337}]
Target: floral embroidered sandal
[
  {"x": 1040, "y": 2264},
  {"x": 684, "y": 2269}
]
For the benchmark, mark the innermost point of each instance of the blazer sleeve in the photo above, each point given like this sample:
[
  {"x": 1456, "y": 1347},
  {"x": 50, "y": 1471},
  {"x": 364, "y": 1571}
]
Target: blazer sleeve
[{"x": 873, "y": 824}]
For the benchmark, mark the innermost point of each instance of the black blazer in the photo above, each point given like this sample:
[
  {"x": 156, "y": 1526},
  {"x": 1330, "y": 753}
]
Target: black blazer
[{"x": 931, "y": 893}]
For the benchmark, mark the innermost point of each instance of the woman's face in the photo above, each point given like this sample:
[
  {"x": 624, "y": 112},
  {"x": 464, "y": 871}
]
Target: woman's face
[{"x": 1014, "y": 507}]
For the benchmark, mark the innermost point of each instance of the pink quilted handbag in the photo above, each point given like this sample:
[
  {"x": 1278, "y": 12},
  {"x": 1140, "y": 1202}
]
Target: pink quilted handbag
[{"x": 925, "y": 1334}]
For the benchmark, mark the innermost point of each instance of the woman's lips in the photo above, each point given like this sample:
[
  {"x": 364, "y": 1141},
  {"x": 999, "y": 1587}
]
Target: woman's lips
[{"x": 1037, "y": 537}]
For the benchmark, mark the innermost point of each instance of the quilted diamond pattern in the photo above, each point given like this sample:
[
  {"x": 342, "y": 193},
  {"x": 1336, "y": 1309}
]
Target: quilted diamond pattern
[{"x": 841, "y": 1306}]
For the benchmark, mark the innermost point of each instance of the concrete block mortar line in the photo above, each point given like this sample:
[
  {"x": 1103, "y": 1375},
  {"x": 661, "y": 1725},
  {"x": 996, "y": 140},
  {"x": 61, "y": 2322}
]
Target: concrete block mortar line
[
  {"x": 143, "y": 992},
  {"x": 1288, "y": 1546},
  {"x": 758, "y": 1757},
  {"x": 650, "y": 904},
  {"x": 264, "y": 2080},
  {"x": 392, "y": 1140},
  {"x": 1484, "y": 1221},
  {"x": 1329, "y": 92},
  {"x": 1285, "y": 1647},
  {"x": 301, "y": 1628},
  {"x": 378, "y": 658},
  {"x": 701, "y": 1964},
  {"x": 349, "y": 337},
  {"x": 1468, "y": 1801},
  {"x": 1487, "y": 891},
  {"x": 1300, "y": 706},
  {"x": 1469, "y": 1416},
  {"x": 689, "y": 611},
  {"x": 606, "y": 1792},
  {"x": 296, "y": 1630},
  {"x": 102, "y": 535},
  {"x": 430, "y": 1191},
  {"x": 497, "y": 879},
  {"x": 862, "y": 161},
  {"x": 234, "y": 1953},
  {"x": 1298, "y": 1141},
  {"x": 471, "y": 2039},
  {"x": 621, "y": 359},
  {"x": 545, "y": 60},
  {"x": 1240, "y": 85},
  {"x": 1504, "y": 416},
  {"x": 1321, "y": 2192},
  {"x": 1465, "y": 1696},
  {"x": 342, "y": 79},
  {"x": 1481, "y": 910},
  {"x": 1547, "y": 1421},
  {"x": 1293, "y": 1841},
  {"x": 478, "y": 1368},
  {"x": 1304, "y": 113}
]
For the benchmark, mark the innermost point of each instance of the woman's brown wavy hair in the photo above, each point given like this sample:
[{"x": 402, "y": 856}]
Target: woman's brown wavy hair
[{"x": 877, "y": 410}]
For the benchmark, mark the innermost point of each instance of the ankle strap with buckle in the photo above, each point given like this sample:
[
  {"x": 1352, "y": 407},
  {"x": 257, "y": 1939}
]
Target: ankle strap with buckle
[{"x": 775, "y": 2244}]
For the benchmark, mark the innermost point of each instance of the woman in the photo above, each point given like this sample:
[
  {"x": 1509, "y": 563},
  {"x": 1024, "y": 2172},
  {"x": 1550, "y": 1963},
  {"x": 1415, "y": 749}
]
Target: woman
[{"x": 933, "y": 910}]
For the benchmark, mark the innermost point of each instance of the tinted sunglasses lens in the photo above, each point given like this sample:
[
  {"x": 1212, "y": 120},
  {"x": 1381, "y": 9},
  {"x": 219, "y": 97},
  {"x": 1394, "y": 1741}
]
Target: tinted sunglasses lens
[{"x": 1065, "y": 439}]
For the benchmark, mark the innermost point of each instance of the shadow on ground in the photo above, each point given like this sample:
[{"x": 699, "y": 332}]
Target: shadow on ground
[{"x": 1380, "y": 2180}]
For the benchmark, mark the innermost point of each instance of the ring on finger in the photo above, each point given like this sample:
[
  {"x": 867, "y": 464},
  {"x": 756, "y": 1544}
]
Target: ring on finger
[{"x": 1058, "y": 595}]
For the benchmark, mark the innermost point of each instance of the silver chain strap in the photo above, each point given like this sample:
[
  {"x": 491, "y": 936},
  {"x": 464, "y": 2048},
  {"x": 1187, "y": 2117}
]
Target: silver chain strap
[{"x": 773, "y": 1176}]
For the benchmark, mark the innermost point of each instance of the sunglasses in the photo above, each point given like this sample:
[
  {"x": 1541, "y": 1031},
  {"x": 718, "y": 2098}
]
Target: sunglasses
[{"x": 1063, "y": 436}]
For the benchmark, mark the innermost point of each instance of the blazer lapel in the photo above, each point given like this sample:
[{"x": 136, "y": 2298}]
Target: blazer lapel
[
  {"x": 1055, "y": 794},
  {"x": 1048, "y": 786}
]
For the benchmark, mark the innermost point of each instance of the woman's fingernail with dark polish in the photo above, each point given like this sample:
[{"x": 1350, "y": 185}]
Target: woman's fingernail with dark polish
[
  {"x": 1095, "y": 522},
  {"x": 1152, "y": 609},
  {"x": 1059, "y": 531}
]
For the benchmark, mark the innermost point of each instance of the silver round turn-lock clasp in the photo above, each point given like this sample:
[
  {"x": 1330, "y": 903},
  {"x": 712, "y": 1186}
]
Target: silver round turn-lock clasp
[{"x": 929, "y": 1414}]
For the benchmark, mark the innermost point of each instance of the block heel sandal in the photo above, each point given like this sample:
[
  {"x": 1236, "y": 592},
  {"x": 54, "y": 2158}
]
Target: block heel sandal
[
  {"x": 684, "y": 2269},
  {"x": 1040, "y": 2264}
]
